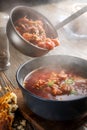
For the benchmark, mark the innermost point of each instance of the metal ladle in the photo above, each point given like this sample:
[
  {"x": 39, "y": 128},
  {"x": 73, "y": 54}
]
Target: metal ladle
[
  {"x": 71, "y": 17},
  {"x": 26, "y": 47}
]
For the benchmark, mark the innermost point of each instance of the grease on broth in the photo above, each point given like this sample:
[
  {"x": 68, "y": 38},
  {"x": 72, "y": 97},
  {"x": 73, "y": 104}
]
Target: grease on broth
[
  {"x": 55, "y": 84},
  {"x": 34, "y": 32}
]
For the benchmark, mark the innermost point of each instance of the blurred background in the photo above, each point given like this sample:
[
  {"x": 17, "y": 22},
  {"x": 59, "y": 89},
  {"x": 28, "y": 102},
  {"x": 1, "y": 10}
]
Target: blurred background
[{"x": 7, "y": 5}]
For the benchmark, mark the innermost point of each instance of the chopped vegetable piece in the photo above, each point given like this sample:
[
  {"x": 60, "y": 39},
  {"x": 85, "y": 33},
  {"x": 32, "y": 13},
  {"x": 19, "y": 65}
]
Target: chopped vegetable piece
[{"x": 50, "y": 83}]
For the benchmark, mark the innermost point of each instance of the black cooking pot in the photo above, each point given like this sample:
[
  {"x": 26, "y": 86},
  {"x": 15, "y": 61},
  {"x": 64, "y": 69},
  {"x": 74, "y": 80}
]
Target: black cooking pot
[{"x": 53, "y": 109}]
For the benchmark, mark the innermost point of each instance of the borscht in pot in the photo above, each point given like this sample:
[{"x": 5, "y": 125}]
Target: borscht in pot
[
  {"x": 54, "y": 87},
  {"x": 55, "y": 84}
]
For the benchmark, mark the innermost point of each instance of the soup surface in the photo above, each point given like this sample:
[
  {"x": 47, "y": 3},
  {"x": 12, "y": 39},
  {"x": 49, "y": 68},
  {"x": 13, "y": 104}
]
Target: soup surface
[
  {"x": 54, "y": 84},
  {"x": 34, "y": 32}
]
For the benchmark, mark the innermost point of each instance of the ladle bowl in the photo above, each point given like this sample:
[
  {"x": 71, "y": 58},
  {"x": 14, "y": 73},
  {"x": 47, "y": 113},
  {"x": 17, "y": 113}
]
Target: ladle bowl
[
  {"x": 29, "y": 48},
  {"x": 18, "y": 41}
]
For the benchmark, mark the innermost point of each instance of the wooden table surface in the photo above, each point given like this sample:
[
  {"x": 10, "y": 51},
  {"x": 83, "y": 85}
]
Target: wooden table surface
[{"x": 69, "y": 45}]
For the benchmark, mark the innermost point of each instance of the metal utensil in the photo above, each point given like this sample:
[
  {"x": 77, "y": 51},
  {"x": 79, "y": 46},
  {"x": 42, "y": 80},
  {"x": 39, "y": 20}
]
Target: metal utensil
[
  {"x": 71, "y": 17},
  {"x": 5, "y": 85},
  {"x": 18, "y": 41},
  {"x": 21, "y": 44}
]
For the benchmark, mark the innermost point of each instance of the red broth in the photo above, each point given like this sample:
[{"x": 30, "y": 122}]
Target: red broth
[
  {"x": 34, "y": 32},
  {"x": 55, "y": 85}
]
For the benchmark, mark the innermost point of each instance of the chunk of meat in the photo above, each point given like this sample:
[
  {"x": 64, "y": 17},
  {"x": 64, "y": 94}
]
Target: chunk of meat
[{"x": 34, "y": 32}]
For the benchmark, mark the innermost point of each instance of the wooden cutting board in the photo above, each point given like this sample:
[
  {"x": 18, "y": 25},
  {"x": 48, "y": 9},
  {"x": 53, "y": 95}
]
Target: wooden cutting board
[{"x": 43, "y": 124}]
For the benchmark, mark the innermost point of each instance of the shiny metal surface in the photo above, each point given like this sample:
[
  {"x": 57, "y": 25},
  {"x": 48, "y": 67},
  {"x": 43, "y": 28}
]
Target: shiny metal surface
[{"x": 18, "y": 41}]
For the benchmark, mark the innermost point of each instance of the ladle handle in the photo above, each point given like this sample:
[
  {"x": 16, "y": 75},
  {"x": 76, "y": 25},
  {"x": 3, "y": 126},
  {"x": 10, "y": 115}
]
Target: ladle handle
[{"x": 71, "y": 17}]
